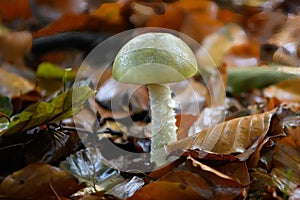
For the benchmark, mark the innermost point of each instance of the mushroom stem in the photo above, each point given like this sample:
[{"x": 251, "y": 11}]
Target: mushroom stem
[{"x": 163, "y": 121}]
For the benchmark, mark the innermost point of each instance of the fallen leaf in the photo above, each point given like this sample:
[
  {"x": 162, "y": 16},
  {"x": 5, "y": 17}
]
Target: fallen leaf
[
  {"x": 122, "y": 98},
  {"x": 61, "y": 107},
  {"x": 166, "y": 190},
  {"x": 127, "y": 188},
  {"x": 235, "y": 136},
  {"x": 23, "y": 100},
  {"x": 81, "y": 22},
  {"x": 285, "y": 91},
  {"x": 286, "y": 158},
  {"x": 261, "y": 181},
  {"x": 6, "y": 106},
  {"x": 50, "y": 145},
  {"x": 226, "y": 38},
  {"x": 46, "y": 182},
  {"x": 88, "y": 166},
  {"x": 14, "y": 46},
  {"x": 246, "y": 78},
  {"x": 16, "y": 87},
  {"x": 193, "y": 180},
  {"x": 295, "y": 194},
  {"x": 227, "y": 180}
]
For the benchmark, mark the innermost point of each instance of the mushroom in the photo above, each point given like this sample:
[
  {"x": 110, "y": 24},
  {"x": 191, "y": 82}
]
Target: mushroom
[{"x": 155, "y": 59}]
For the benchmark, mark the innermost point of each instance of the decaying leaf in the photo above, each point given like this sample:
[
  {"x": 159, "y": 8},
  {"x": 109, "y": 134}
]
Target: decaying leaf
[
  {"x": 286, "y": 158},
  {"x": 234, "y": 136},
  {"x": 39, "y": 181},
  {"x": 193, "y": 180},
  {"x": 166, "y": 190},
  {"x": 127, "y": 188},
  {"x": 261, "y": 180},
  {"x": 227, "y": 180},
  {"x": 88, "y": 166},
  {"x": 59, "y": 108}
]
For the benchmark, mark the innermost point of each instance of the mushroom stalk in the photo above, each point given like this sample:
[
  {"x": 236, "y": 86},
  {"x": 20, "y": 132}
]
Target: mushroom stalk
[{"x": 163, "y": 121}]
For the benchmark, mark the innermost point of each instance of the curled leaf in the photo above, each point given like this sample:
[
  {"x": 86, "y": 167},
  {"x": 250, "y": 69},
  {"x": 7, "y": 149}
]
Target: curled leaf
[
  {"x": 234, "y": 136},
  {"x": 87, "y": 165}
]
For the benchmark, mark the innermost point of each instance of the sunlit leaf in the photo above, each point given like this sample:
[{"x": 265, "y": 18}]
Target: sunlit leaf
[
  {"x": 37, "y": 181},
  {"x": 59, "y": 108},
  {"x": 234, "y": 136}
]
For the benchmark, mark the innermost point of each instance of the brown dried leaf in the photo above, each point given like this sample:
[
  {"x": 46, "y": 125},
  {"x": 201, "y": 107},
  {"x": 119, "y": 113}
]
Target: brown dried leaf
[
  {"x": 46, "y": 182},
  {"x": 227, "y": 180},
  {"x": 166, "y": 190},
  {"x": 285, "y": 91},
  {"x": 234, "y": 136},
  {"x": 286, "y": 158},
  {"x": 193, "y": 180}
]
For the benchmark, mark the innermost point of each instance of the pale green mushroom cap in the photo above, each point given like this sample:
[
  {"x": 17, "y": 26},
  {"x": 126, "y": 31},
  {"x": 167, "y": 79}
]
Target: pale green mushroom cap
[{"x": 154, "y": 58}]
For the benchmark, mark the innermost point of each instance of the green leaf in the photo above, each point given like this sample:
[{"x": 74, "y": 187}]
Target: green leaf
[
  {"x": 6, "y": 106},
  {"x": 51, "y": 71},
  {"x": 6, "y": 109},
  {"x": 61, "y": 107},
  {"x": 246, "y": 78}
]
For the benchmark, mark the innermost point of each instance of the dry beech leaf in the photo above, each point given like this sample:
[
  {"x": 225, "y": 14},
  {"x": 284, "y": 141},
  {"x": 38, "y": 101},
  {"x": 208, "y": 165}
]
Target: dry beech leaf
[
  {"x": 234, "y": 136},
  {"x": 166, "y": 190},
  {"x": 285, "y": 91},
  {"x": 286, "y": 158},
  {"x": 193, "y": 180},
  {"x": 227, "y": 180},
  {"x": 38, "y": 181}
]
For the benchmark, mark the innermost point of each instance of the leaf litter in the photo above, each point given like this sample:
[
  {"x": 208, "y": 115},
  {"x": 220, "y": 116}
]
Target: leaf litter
[{"x": 252, "y": 154}]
